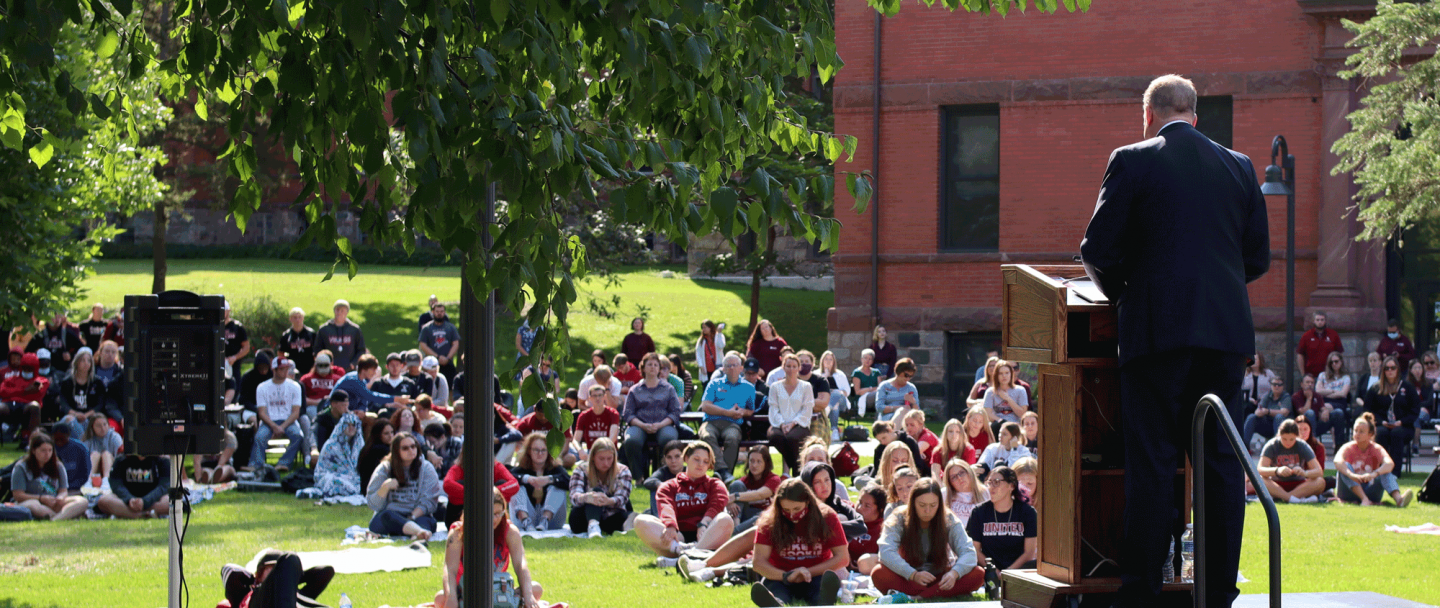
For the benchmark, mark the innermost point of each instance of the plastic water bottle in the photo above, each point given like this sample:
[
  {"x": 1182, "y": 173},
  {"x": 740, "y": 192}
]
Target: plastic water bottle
[
  {"x": 1167, "y": 573},
  {"x": 1187, "y": 555},
  {"x": 345, "y": 601}
]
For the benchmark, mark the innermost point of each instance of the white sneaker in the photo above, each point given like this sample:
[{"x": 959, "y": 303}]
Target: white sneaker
[
  {"x": 834, "y": 435},
  {"x": 695, "y": 569},
  {"x": 666, "y": 562},
  {"x": 594, "y": 530}
]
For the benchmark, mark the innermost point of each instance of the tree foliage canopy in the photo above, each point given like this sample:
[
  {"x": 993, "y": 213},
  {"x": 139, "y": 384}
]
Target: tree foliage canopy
[
  {"x": 65, "y": 167},
  {"x": 661, "y": 103},
  {"x": 1394, "y": 141}
]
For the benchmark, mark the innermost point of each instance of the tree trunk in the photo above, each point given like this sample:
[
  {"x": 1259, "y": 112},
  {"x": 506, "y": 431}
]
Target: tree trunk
[
  {"x": 759, "y": 273},
  {"x": 162, "y": 225}
]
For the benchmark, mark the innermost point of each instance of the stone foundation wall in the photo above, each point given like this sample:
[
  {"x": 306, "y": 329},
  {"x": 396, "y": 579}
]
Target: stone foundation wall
[
  {"x": 926, "y": 348},
  {"x": 1271, "y": 345}
]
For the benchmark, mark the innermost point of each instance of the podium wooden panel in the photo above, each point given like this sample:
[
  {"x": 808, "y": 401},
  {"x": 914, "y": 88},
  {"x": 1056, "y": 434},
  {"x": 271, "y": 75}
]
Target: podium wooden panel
[{"x": 1082, "y": 478}]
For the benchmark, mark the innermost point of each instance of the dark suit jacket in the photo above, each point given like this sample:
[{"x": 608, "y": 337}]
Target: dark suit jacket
[{"x": 1178, "y": 231}]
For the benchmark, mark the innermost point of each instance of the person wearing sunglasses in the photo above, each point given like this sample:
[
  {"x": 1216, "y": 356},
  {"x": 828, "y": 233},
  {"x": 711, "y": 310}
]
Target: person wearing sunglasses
[
  {"x": 1395, "y": 404},
  {"x": 1334, "y": 387},
  {"x": 1004, "y": 528},
  {"x": 1272, "y": 407},
  {"x": 404, "y": 491}
]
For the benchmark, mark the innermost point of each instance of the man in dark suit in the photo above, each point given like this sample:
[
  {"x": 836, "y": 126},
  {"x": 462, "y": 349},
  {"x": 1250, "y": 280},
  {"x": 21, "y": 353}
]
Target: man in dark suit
[{"x": 1178, "y": 231}]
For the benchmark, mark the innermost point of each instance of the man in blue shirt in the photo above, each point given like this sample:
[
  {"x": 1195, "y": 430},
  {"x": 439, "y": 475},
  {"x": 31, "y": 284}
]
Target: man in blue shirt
[
  {"x": 727, "y": 401},
  {"x": 356, "y": 384}
]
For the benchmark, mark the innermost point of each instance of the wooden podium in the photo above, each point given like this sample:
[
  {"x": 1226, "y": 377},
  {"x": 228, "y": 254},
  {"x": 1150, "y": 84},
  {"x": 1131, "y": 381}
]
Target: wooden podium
[{"x": 1055, "y": 317}]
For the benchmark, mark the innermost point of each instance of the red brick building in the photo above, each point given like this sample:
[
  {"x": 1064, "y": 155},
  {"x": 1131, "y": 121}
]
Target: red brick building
[{"x": 993, "y": 138}]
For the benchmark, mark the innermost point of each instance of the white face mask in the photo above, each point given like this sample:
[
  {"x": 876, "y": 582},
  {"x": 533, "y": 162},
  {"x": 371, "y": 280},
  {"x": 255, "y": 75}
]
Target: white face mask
[
  {"x": 1394, "y": 335},
  {"x": 44, "y": 371},
  {"x": 27, "y": 375}
]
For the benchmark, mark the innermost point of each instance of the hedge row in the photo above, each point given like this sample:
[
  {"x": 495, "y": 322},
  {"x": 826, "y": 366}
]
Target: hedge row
[{"x": 369, "y": 255}]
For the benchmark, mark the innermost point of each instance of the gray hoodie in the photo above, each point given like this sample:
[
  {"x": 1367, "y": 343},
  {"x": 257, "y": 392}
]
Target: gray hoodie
[
  {"x": 423, "y": 492},
  {"x": 960, "y": 546}
]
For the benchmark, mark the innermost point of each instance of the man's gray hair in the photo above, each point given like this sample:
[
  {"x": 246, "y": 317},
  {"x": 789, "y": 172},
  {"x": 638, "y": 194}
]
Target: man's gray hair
[
  {"x": 735, "y": 357},
  {"x": 1171, "y": 94}
]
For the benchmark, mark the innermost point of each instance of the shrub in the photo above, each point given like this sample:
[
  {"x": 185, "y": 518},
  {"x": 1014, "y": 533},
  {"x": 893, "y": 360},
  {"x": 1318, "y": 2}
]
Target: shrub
[{"x": 265, "y": 319}]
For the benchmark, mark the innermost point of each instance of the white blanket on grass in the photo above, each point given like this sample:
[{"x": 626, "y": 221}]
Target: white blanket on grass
[{"x": 356, "y": 560}]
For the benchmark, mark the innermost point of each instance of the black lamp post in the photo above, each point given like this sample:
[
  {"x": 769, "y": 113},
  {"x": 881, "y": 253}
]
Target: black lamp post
[{"x": 1280, "y": 180}]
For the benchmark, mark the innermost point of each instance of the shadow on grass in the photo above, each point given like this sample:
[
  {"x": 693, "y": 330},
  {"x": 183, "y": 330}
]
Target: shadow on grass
[{"x": 6, "y": 602}]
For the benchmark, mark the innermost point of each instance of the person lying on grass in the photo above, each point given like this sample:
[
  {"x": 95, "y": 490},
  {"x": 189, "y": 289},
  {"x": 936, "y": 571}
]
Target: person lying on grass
[
  {"x": 692, "y": 510},
  {"x": 404, "y": 491}
]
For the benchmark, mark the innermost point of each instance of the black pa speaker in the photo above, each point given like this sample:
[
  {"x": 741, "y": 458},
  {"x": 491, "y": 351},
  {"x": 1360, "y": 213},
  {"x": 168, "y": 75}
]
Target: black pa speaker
[{"x": 174, "y": 376}]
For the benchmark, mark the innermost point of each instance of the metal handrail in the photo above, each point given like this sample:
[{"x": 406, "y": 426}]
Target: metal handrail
[{"x": 1207, "y": 404}]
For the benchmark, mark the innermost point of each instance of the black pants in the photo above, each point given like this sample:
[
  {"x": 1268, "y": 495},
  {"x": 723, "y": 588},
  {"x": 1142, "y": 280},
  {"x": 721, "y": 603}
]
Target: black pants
[
  {"x": 279, "y": 590},
  {"x": 1158, "y": 397},
  {"x": 580, "y": 516},
  {"x": 1396, "y": 441}
]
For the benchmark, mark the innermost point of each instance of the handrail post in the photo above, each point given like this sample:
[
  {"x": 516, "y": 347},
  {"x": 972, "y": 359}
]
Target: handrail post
[{"x": 1207, "y": 404}]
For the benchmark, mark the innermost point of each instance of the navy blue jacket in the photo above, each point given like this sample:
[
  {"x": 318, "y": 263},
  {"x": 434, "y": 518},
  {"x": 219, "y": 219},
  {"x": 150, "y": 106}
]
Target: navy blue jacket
[{"x": 1179, "y": 230}]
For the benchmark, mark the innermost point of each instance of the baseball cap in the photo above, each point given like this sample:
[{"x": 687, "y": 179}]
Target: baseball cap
[
  {"x": 284, "y": 362},
  {"x": 84, "y": 350},
  {"x": 322, "y": 359},
  {"x": 412, "y": 357},
  {"x": 752, "y": 364},
  {"x": 42, "y": 354},
  {"x": 393, "y": 357},
  {"x": 430, "y": 363},
  {"x": 227, "y": 305},
  {"x": 339, "y": 303}
]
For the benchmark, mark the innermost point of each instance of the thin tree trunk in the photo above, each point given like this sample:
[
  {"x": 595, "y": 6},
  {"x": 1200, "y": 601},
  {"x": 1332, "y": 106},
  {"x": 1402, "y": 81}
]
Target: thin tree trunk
[
  {"x": 162, "y": 225},
  {"x": 759, "y": 273}
]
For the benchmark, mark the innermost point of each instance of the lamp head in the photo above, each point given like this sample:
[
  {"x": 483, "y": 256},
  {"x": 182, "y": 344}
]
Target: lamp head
[{"x": 1274, "y": 182}]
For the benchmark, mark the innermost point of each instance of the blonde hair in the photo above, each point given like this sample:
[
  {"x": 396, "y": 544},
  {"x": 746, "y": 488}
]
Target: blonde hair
[
  {"x": 978, "y": 411},
  {"x": 914, "y": 414},
  {"x": 977, "y": 490},
  {"x": 890, "y": 494},
  {"x": 945, "y": 449},
  {"x": 596, "y": 478},
  {"x": 887, "y": 470}
]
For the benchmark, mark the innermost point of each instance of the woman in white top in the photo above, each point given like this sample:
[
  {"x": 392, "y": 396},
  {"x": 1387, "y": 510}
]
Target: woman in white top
[
  {"x": 1333, "y": 385},
  {"x": 1009, "y": 448},
  {"x": 1369, "y": 380},
  {"x": 709, "y": 351},
  {"x": 1256, "y": 381},
  {"x": 791, "y": 403},
  {"x": 1004, "y": 401},
  {"x": 839, "y": 390}
]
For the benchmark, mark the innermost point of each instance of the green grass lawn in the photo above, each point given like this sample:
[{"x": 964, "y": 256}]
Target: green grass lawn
[
  {"x": 387, "y": 300},
  {"x": 103, "y": 564}
]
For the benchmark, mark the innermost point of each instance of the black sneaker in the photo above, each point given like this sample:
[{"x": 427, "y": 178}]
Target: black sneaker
[
  {"x": 762, "y": 596},
  {"x": 829, "y": 588}
]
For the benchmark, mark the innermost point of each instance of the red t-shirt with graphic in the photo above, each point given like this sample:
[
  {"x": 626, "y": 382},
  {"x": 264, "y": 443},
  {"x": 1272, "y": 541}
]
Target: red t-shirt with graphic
[
  {"x": 1363, "y": 461},
  {"x": 802, "y": 554},
  {"x": 684, "y": 501},
  {"x": 869, "y": 542},
  {"x": 319, "y": 387},
  {"x": 592, "y": 426}
]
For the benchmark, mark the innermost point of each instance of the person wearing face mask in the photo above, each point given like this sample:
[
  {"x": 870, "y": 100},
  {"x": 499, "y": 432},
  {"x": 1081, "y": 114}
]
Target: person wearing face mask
[
  {"x": 440, "y": 339},
  {"x": 820, "y": 388},
  {"x": 1396, "y": 344},
  {"x": 21, "y": 396},
  {"x": 800, "y": 549}
]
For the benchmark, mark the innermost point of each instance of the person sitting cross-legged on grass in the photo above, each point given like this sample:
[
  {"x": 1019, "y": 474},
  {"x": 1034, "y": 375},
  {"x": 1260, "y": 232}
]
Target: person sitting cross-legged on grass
[
  {"x": 1289, "y": 467},
  {"x": 600, "y": 492},
  {"x": 540, "y": 505},
  {"x": 404, "y": 491},
  {"x": 751, "y": 494},
  {"x": 139, "y": 487},
  {"x": 217, "y": 468},
  {"x": 1004, "y": 528},
  {"x": 800, "y": 549},
  {"x": 103, "y": 442},
  {"x": 1365, "y": 471},
  {"x": 692, "y": 510},
  {"x": 40, "y": 484},
  {"x": 917, "y": 545},
  {"x": 509, "y": 550},
  {"x": 337, "y": 473}
]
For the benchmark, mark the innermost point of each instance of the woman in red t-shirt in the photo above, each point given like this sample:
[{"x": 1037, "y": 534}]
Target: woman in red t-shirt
[
  {"x": 750, "y": 495},
  {"x": 977, "y": 430},
  {"x": 691, "y": 510},
  {"x": 915, "y": 426},
  {"x": 764, "y": 345},
  {"x": 799, "y": 549},
  {"x": 865, "y": 549},
  {"x": 1365, "y": 471},
  {"x": 508, "y": 550},
  {"x": 952, "y": 446}
]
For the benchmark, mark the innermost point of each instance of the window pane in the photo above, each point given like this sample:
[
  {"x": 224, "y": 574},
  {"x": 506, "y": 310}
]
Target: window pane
[
  {"x": 970, "y": 174},
  {"x": 1216, "y": 118},
  {"x": 974, "y": 146}
]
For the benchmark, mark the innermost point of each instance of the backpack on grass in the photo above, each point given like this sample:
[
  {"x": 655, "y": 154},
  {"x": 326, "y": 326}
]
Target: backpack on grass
[{"x": 1430, "y": 492}]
